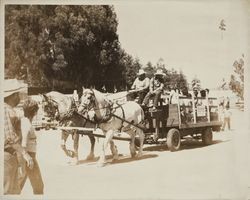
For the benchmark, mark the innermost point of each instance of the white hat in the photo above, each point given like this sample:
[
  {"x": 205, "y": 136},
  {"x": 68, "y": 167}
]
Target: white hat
[
  {"x": 141, "y": 71},
  {"x": 12, "y": 86},
  {"x": 159, "y": 72}
]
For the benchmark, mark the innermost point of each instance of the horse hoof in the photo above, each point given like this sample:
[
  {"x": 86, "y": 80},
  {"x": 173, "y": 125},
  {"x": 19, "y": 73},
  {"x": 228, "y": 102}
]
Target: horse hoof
[
  {"x": 133, "y": 154},
  {"x": 90, "y": 157},
  {"x": 115, "y": 159},
  {"x": 74, "y": 162},
  {"x": 139, "y": 155},
  {"x": 100, "y": 164}
]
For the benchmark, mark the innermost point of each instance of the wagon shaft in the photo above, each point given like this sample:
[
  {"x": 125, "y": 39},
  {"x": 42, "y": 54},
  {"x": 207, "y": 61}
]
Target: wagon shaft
[{"x": 93, "y": 132}]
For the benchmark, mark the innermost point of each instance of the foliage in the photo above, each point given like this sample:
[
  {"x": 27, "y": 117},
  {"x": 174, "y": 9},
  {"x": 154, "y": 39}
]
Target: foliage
[
  {"x": 54, "y": 45},
  {"x": 236, "y": 83},
  {"x": 75, "y": 43}
]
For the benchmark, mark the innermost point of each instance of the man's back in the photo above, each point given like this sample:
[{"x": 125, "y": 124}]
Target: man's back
[{"x": 11, "y": 126}]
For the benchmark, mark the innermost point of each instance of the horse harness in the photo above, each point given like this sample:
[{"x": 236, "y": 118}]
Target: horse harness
[
  {"x": 111, "y": 114},
  {"x": 67, "y": 115}
]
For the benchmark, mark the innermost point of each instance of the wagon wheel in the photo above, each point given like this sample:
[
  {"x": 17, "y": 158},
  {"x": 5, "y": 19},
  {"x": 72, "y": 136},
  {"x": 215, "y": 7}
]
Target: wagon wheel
[
  {"x": 173, "y": 139},
  {"x": 207, "y": 136}
]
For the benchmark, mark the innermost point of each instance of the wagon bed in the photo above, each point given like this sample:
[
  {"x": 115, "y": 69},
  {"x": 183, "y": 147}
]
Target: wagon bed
[{"x": 189, "y": 116}]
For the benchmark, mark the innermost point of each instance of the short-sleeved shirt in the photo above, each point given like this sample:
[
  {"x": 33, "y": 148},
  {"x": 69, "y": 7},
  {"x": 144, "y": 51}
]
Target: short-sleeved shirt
[
  {"x": 174, "y": 97},
  {"x": 12, "y": 133},
  {"x": 140, "y": 84},
  {"x": 29, "y": 136}
]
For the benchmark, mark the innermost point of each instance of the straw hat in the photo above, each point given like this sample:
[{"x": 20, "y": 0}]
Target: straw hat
[
  {"x": 159, "y": 72},
  {"x": 11, "y": 86},
  {"x": 141, "y": 71}
]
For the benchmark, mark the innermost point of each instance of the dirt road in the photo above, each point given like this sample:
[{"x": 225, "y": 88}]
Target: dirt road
[{"x": 194, "y": 172}]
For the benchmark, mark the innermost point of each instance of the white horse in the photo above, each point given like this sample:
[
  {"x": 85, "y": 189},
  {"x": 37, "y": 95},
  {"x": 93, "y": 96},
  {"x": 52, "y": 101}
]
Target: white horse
[
  {"x": 62, "y": 108},
  {"x": 113, "y": 118}
]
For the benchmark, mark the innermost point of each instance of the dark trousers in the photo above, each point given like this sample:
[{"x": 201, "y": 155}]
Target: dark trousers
[
  {"x": 140, "y": 94},
  {"x": 226, "y": 121},
  {"x": 34, "y": 175},
  {"x": 156, "y": 96},
  {"x": 11, "y": 185}
]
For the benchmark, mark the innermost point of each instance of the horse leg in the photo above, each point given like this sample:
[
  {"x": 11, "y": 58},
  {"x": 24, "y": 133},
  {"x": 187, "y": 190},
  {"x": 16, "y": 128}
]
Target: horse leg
[
  {"x": 106, "y": 141},
  {"x": 114, "y": 150},
  {"x": 132, "y": 143},
  {"x": 91, "y": 154},
  {"x": 64, "y": 138},
  {"x": 141, "y": 138},
  {"x": 76, "y": 145}
]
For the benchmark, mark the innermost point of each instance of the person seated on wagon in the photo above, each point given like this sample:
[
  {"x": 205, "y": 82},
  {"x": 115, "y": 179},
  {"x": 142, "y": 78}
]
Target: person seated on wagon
[
  {"x": 204, "y": 93},
  {"x": 155, "y": 89},
  {"x": 140, "y": 86},
  {"x": 174, "y": 96}
]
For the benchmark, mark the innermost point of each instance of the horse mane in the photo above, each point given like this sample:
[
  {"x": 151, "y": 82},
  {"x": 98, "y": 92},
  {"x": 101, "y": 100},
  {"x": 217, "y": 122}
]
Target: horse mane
[{"x": 64, "y": 102}]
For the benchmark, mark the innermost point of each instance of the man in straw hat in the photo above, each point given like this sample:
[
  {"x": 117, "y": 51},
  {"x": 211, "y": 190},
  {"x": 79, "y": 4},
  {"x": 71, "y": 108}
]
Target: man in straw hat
[
  {"x": 155, "y": 88},
  {"x": 140, "y": 86},
  {"x": 12, "y": 138}
]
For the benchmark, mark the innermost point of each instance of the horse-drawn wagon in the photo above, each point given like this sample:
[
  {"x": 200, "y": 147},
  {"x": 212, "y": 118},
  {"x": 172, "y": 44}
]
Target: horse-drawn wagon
[{"x": 195, "y": 117}]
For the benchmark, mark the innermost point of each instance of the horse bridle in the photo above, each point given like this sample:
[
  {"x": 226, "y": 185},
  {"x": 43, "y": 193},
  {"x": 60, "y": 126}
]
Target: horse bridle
[{"x": 50, "y": 103}]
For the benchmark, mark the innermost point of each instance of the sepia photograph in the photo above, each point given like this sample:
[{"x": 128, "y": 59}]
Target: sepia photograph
[{"x": 125, "y": 99}]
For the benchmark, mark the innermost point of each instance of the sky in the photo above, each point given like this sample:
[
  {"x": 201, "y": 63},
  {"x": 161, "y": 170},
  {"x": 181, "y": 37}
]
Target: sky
[{"x": 186, "y": 35}]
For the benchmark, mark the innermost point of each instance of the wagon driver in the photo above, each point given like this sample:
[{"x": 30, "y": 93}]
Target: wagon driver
[{"x": 140, "y": 86}]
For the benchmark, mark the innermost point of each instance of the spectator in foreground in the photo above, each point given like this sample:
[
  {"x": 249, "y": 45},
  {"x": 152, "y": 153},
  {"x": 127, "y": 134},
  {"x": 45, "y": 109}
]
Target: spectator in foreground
[
  {"x": 29, "y": 142},
  {"x": 12, "y": 140}
]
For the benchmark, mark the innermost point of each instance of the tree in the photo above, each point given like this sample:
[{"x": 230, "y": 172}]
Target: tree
[
  {"x": 149, "y": 69},
  {"x": 74, "y": 43},
  {"x": 131, "y": 67},
  {"x": 182, "y": 82},
  {"x": 236, "y": 83}
]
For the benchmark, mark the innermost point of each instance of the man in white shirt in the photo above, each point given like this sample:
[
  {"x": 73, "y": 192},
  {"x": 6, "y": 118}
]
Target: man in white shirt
[{"x": 140, "y": 86}]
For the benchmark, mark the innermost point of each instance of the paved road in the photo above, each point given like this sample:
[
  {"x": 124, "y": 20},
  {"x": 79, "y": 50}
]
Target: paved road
[{"x": 194, "y": 172}]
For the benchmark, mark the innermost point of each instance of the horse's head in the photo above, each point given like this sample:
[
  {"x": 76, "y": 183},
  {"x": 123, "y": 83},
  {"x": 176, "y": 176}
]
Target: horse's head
[
  {"x": 50, "y": 107},
  {"x": 87, "y": 101}
]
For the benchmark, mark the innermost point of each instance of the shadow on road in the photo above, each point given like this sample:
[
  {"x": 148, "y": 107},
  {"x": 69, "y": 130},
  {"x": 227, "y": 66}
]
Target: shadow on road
[
  {"x": 95, "y": 159},
  {"x": 127, "y": 159},
  {"x": 185, "y": 145},
  {"x": 122, "y": 159}
]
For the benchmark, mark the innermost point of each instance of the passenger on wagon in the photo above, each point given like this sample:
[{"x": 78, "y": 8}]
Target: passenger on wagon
[
  {"x": 155, "y": 89},
  {"x": 141, "y": 86}
]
